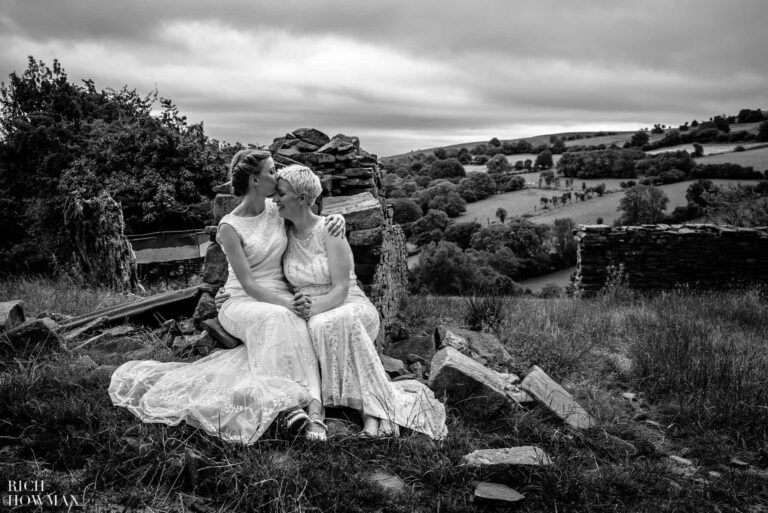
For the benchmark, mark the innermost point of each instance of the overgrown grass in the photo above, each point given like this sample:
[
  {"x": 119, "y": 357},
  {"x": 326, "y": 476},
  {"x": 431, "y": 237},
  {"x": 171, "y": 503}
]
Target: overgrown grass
[
  {"x": 61, "y": 296},
  {"x": 57, "y": 422}
]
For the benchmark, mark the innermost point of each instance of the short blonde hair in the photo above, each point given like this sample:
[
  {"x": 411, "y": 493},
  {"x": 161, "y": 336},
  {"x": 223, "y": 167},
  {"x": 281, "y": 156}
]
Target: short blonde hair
[{"x": 303, "y": 181}]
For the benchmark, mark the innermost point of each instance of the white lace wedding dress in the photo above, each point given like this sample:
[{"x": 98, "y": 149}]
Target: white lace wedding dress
[
  {"x": 235, "y": 393},
  {"x": 351, "y": 371}
]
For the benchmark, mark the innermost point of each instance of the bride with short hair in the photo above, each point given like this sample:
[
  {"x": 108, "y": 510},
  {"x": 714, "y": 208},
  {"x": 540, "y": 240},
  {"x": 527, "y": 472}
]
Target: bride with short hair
[{"x": 342, "y": 322}]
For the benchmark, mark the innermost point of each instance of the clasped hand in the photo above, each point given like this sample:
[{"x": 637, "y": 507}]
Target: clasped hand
[{"x": 301, "y": 306}]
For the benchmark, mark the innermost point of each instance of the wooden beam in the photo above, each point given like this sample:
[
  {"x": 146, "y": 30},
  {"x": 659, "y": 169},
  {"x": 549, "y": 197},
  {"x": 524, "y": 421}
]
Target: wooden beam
[{"x": 136, "y": 308}]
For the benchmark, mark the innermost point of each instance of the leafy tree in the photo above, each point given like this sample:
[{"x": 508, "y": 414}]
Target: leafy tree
[
  {"x": 698, "y": 150},
  {"x": 639, "y": 139},
  {"x": 544, "y": 160},
  {"x": 508, "y": 183},
  {"x": 476, "y": 186},
  {"x": 501, "y": 214},
  {"x": 441, "y": 196},
  {"x": 405, "y": 210},
  {"x": 563, "y": 241},
  {"x": 60, "y": 141},
  {"x": 558, "y": 145},
  {"x": 461, "y": 233},
  {"x": 448, "y": 168},
  {"x": 429, "y": 228},
  {"x": 495, "y": 142},
  {"x": 440, "y": 153},
  {"x": 762, "y": 131},
  {"x": 642, "y": 204},
  {"x": 445, "y": 269},
  {"x": 498, "y": 164}
]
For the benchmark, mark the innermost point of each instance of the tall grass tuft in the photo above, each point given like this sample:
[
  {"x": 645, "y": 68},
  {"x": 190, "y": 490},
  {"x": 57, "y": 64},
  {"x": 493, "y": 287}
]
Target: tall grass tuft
[
  {"x": 60, "y": 295},
  {"x": 485, "y": 311},
  {"x": 706, "y": 351}
]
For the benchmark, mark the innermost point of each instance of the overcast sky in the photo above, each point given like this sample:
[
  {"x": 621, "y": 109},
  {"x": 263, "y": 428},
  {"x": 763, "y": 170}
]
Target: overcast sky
[{"x": 409, "y": 74}]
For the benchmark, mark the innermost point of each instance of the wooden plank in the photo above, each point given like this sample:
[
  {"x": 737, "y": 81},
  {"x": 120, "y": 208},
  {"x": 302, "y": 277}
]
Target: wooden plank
[
  {"x": 556, "y": 398},
  {"x": 141, "y": 306},
  {"x": 217, "y": 331}
]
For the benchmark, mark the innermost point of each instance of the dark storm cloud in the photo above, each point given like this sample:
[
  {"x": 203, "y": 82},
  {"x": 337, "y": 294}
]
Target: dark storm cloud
[{"x": 490, "y": 65}]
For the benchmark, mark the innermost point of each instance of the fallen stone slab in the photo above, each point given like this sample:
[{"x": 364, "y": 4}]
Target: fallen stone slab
[
  {"x": 483, "y": 347},
  {"x": 35, "y": 335},
  {"x": 494, "y": 493},
  {"x": 393, "y": 366},
  {"x": 524, "y": 455},
  {"x": 466, "y": 383},
  {"x": 388, "y": 481},
  {"x": 11, "y": 314},
  {"x": 556, "y": 398}
]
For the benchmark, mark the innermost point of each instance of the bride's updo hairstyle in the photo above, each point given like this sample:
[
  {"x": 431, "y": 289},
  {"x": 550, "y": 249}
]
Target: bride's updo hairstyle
[
  {"x": 303, "y": 181},
  {"x": 244, "y": 164}
]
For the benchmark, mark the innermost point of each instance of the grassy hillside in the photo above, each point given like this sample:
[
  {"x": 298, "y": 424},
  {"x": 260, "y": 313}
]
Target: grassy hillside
[
  {"x": 694, "y": 362},
  {"x": 522, "y": 203}
]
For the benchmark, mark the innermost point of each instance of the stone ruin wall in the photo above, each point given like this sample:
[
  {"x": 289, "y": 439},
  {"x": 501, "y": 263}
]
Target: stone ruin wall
[
  {"x": 351, "y": 180},
  {"x": 663, "y": 256}
]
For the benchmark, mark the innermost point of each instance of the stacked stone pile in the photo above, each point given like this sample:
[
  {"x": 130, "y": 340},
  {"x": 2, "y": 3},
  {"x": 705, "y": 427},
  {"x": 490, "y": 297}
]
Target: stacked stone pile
[
  {"x": 663, "y": 256},
  {"x": 344, "y": 168},
  {"x": 351, "y": 181}
]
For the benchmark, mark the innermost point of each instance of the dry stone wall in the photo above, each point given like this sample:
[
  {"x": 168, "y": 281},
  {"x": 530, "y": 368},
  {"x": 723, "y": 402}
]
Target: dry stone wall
[{"x": 663, "y": 256}]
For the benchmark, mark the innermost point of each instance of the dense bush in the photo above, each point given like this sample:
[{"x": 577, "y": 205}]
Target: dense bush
[
  {"x": 441, "y": 196},
  {"x": 725, "y": 170},
  {"x": 405, "y": 210},
  {"x": 476, "y": 186},
  {"x": 461, "y": 233},
  {"x": 507, "y": 183},
  {"x": 61, "y": 140},
  {"x": 448, "y": 168},
  {"x": 498, "y": 164},
  {"x": 642, "y": 204},
  {"x": 615, "y": 163},
  {"x": 429, "y": 228}
]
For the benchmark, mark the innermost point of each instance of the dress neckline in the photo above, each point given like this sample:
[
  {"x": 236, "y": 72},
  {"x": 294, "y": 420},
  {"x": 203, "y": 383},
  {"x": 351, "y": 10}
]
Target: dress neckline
[
  {"x": 311, "y": 232},
  {"x": 251, "y": 217}
]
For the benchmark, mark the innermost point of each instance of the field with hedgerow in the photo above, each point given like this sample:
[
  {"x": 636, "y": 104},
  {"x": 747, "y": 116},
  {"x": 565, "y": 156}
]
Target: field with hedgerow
[{"x": 677, "y": 383}]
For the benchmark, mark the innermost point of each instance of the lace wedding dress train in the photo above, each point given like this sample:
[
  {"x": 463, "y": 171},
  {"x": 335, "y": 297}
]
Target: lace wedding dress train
[
  {"x": 351, "y": 370},
  {"x": 235, "y": 393}
]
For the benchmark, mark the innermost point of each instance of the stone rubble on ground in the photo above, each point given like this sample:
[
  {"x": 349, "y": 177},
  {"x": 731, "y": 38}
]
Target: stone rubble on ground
[
  {"x": 11, "y": 314},
  {"x": 510, "y": 456},
  {"x": 493, "y": 493}
]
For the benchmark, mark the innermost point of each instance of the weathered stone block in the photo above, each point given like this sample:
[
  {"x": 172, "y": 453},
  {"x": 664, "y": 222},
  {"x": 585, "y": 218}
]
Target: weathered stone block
[
  {"x": 556, "y": 398},
  {"x": 493, "y": 493},
  {"x": 11, "y": 314},
  {"x": 467, "y": 384},
  {"x": 482, "y": 347},
  {"x": 367, "y": 237},
  {"x": 312, "y": 136},
  {"x": 423, "y": 347},
  {"x": 525, "y": 455},
  {"x": 206, "y": 309},
  {"x": 361, "y": 211},
  {"x": 215, "y": 267},
  {"x": 38, "y": 335}
]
